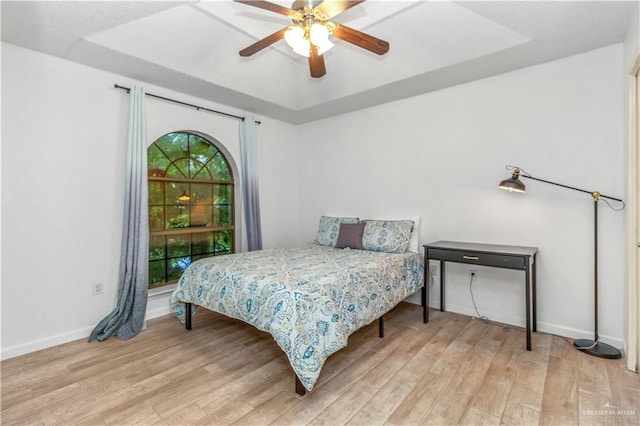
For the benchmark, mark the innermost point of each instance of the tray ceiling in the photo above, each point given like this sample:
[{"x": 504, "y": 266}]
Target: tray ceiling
[{"x": 192, "y": 47}]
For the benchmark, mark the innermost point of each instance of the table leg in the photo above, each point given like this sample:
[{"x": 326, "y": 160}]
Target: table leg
[
  {"x": 425, "y": 293},
  {"x": 442, "y": 286},
  {"x": 534, "y": 295}
]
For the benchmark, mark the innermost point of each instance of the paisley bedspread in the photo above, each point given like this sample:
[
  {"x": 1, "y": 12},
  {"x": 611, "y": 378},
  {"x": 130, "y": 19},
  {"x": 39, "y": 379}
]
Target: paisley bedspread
[{"x": 310, "y": 299}]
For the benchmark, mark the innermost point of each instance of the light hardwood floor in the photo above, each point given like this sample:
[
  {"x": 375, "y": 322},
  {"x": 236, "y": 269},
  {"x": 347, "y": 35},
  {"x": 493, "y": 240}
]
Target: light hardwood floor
[{"x": 454, "y": 370}]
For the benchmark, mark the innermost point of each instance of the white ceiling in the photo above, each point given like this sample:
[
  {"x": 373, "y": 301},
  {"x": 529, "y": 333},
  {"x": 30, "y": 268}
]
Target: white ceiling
[{"x": 192, "y": 47}]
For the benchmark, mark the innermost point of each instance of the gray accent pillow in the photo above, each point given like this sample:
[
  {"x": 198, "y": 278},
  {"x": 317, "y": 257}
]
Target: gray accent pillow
[{"x": 350, "y": 235}]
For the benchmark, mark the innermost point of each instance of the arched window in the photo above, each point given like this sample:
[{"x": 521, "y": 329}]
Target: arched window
[{"x": 191, "y": 205}]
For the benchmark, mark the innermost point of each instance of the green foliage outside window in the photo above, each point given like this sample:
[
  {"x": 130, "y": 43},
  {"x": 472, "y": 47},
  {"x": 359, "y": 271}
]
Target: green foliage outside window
[{"x": 190, "y": 205}]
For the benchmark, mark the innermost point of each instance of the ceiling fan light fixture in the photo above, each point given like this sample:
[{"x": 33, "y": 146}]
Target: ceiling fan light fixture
[
  {"x": 324, "y": 47},
  {"x": 309, "y": 35},
  {"x": 294, "y": 36},
  {"x": 319, "y": 36},
  {"x": 303, "y": 48}
]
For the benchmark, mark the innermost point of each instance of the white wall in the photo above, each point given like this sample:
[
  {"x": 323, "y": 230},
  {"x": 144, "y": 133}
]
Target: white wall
[
  {"x": 632, "y": 40},
  {"x": 439, "y": 155},
  {"x": 63, "y": 149},
  {"x": 442, "y": 154}
]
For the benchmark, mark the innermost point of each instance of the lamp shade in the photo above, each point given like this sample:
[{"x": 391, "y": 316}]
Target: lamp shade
[
  {"x": 319, "y": 36},
  {"x": 513, "y": 183},
  {"x": 294, "y": 36}
]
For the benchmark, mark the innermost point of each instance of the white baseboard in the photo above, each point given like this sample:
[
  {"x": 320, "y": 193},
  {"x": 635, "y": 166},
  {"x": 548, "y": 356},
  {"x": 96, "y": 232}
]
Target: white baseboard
[
  {"x": 162, "y": 310},
  {"x": 59, "y": 339},
  {"x": 47, "y": 342},
  {"x": 158, "y": 312},
  {"x": 543, "y": 327}
]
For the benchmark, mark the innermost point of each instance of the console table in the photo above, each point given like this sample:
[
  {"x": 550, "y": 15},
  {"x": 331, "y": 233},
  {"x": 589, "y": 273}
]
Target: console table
[{"x": 499, "y": 256}]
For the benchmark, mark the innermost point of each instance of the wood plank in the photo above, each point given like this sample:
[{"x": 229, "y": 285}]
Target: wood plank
[
  {"x": 307, "y": 408},
  {"x": 352, "y": 400}
]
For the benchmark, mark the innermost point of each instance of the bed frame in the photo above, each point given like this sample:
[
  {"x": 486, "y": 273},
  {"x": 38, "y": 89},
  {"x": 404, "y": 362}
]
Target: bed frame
[{"x": 300, "y": 390}]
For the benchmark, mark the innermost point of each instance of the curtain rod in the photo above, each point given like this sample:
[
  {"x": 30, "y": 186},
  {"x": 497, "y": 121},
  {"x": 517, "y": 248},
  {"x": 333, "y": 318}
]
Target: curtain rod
[{"x": 186, "y": 104}]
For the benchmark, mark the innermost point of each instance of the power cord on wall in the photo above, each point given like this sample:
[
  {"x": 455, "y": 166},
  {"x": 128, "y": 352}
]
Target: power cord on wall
[
  {"x": 486, "y": 319},
  {"x": 431, "y": 276},
  {"x": 482, "y": 317}
]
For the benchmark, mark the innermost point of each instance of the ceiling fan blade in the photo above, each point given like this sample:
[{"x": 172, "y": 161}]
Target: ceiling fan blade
[
  {"x": 261, "y": 44},
  {"x": 316, "y": 63},
  {"x": 333, "y": 8},
  {"x": 269, "y": 6},
  {"x": 361, "y": 39}
]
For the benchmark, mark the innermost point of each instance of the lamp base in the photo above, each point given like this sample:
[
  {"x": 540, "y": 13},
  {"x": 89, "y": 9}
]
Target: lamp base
[{"x": 601, "y": 350}]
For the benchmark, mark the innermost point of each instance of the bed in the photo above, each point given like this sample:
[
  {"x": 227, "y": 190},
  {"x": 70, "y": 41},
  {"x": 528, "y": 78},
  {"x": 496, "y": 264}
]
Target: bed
[{"x": 310, "y": 299}]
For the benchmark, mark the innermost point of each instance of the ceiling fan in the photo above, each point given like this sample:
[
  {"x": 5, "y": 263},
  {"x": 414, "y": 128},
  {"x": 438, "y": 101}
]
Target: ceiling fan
[{"x": 309, "y": 34}]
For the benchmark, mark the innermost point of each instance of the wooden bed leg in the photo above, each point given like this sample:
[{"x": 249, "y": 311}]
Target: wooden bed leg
[
  {"x": 187, "y": 316},
  {"x": 300, "y": 390},
  {"x": 381, "y": 327}
]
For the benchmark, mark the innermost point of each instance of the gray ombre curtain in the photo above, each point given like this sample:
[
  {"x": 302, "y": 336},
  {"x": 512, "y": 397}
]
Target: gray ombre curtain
[
  {"x": 251, "y": 197},
  {"x": 127, "y": 319}
]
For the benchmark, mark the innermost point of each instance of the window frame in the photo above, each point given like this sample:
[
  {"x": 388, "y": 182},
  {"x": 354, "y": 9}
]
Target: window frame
[{"x": 191, "y": 230}]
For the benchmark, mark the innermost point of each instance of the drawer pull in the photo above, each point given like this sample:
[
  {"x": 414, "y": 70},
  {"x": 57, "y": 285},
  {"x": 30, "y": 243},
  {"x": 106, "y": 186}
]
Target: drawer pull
[{"x": 471, "y": 257}]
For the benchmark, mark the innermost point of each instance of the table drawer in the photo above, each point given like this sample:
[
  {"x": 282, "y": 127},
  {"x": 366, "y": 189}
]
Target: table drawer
[{"x": 484, "y": 259}]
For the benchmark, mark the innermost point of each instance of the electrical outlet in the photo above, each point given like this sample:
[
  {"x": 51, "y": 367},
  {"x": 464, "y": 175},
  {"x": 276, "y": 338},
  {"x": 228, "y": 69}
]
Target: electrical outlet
[
  {"x": 97, "y": 287},
  {"x": 433, "y": 268}
]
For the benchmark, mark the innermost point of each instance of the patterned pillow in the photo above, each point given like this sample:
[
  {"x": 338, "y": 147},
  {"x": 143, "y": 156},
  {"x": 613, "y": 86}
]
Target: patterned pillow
[
  {"x": 390, "y": 236},
  {"x": 329, "y": 229}
]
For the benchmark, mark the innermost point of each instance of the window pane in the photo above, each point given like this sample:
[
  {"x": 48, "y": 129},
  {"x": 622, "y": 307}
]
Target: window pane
[
  {"x": 174, "y": 191},
  {"x": 203, "y": 174},
  {"x": 195, "y": 167},
  {"x": 200, "y": 149},
  {"x": 157, "y": 272},
  {"x": 221, "y": 216},
  {"x": 223, "y": 242},
  {"x": 201, "y": 215},
  {"x": 174, "y": 145},
  {"x": 183, "y": 166},
  {"x": 201, "y": 194},
  {"x": 202, "y": 243},
  {"x": 223, "y": 194},
  {"x": 156, "y": 218},
  {"x": 177, "y": 217},
  {"x": 177, "y": 267},
  {"x": 218, "y": 168},
  {"x": 179, "y": 245},
  {"x": 156, "y": 193},
  {"x": 157, "y": 247},
  {"x": 175, "y": 172},
  {"x": 157, "y": 162}
]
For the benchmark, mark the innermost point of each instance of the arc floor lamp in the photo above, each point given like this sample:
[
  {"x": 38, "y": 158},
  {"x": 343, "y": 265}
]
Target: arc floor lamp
[{"x": 592, "y": 347}]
